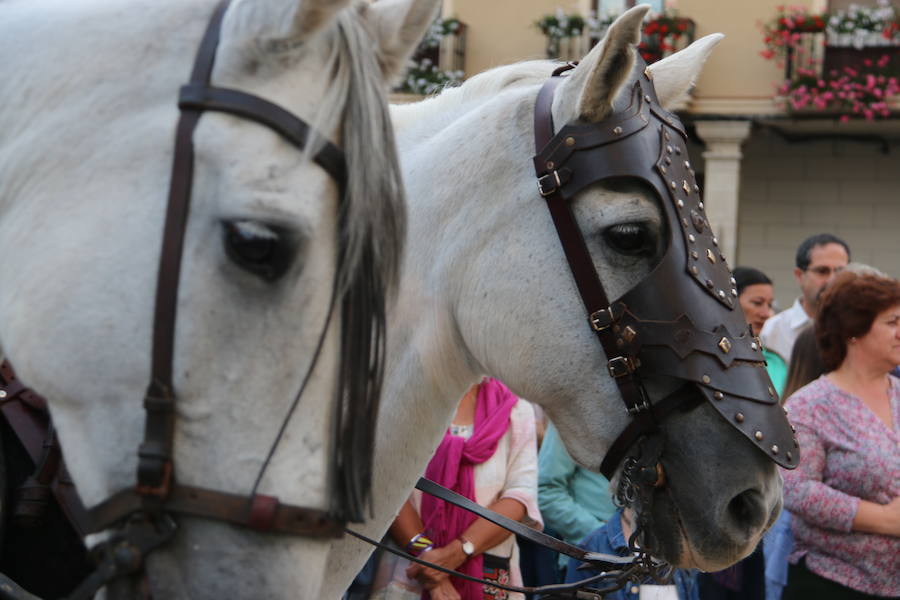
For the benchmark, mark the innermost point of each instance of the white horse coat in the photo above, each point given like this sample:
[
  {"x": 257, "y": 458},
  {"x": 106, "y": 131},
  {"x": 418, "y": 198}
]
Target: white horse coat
[
  {"x": 486, "y": 289},
  {"x": 89, "y": 110}
]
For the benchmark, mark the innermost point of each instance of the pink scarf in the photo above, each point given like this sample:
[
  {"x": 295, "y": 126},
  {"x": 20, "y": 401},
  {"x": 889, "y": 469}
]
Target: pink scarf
[{"x": 453, "y": 466}]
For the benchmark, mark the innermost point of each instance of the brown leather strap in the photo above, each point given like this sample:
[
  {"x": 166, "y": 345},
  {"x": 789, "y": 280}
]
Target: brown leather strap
[
  {"x": 261, "y": 513},
  {"x": 602, "y": 314},
  {"x": 26, "y": 413},
  {"x": 155, "y": 453},
  {"x": 295, "y": 130}
]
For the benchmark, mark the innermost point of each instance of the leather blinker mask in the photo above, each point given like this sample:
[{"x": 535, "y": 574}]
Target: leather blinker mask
[{"x": 683, "y": 320}]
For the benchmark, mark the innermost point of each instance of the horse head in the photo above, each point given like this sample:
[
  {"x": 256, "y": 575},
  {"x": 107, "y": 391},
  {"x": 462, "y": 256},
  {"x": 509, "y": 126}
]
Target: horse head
[
  {"x": 274, "y": 244},
  {"x": 487, "y": 288}
]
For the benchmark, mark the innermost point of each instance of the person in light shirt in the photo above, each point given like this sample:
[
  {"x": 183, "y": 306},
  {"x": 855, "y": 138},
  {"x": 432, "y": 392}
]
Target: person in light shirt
[{"x": 819, "y": 258}]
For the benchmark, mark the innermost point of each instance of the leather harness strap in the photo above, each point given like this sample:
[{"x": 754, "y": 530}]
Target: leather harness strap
[
  {"x": 28, "y": 418},
  {"x": 682, "y": 320},
  {"x": 602, "y": 313},
  {"x": 156, "y": 491}
]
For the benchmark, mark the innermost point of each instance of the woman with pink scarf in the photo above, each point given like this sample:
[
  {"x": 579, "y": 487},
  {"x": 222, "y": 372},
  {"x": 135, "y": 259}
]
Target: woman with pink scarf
[{"x": 489, "y": 455}]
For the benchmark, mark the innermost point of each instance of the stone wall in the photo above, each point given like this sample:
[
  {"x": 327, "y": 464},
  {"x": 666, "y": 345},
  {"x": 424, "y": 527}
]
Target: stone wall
[{"x": 793, "y": 190}]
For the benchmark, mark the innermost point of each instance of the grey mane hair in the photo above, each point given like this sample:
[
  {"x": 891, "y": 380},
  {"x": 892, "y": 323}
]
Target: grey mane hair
[
  {"x": 371, "y": 234},
  {"x": 375, "y": 201}
]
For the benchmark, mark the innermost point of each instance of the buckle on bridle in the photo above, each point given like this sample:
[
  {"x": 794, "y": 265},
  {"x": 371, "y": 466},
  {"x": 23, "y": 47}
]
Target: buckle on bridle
[
  {"x": 545, "y": 181},
  {"x": 603, "y": 318},
  {"x": 643, "y": 406},
  {"x": 621, "y": 366}
]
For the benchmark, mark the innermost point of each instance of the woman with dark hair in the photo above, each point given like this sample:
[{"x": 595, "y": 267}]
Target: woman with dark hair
[
  {"x": 845, "y": 494},
  {"x": 806, "y": 362},
  {"x": 756, "y": 296}
]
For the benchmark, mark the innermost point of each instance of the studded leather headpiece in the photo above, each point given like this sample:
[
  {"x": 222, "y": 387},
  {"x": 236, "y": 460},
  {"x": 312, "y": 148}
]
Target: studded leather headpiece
[{"x": 683, "y": 320}]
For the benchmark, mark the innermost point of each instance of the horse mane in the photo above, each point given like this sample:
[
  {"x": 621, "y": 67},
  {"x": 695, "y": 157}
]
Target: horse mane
[
  {"x": 371, "y": 234},
  {"x": 371, "y": 229},
  {"x": 444, "y": 108}
]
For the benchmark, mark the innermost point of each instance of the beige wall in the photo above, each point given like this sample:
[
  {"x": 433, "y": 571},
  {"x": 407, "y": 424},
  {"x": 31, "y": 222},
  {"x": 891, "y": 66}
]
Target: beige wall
[
  {"x": 736, "y": 80},
  {"x": 502, "y": 31},
  {"x": 791, "y": 191}
]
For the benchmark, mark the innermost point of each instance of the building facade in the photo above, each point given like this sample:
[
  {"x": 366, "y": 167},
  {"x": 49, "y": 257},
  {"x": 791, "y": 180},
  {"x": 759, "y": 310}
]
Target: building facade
[{"x": 771, "y": 177}]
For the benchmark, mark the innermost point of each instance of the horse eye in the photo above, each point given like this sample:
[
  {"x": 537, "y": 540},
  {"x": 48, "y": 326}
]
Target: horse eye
[
  {"x": 257, "y": 248},
  {"x": 632, "y": 239}
]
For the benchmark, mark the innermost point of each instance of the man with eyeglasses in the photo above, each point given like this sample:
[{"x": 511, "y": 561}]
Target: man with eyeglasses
[{"x": 819, "y": 259}]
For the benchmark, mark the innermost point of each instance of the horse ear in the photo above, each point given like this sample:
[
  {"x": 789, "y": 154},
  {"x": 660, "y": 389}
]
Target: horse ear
[
  {"x": 312, "y": 16},
  {"x": 399, "y": 26},
  {"x": 675, "y": 75},
  {"x": 591, "y": 88}
]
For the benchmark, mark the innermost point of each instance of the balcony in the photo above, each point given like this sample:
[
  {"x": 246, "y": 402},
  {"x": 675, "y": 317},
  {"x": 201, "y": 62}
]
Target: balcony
[
  {"x": 570, "y": 37},
  {"x": 438, "y": 62},
  {"x": 843, "y": 66}
]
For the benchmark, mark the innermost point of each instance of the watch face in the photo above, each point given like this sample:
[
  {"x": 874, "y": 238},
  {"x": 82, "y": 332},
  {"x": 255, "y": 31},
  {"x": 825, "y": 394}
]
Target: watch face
[{"x": 468, "y": 548}]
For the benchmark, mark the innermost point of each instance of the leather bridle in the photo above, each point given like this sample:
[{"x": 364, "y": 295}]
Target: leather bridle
[
  {"x": 143, "y": 513},
  {"x": 156, "y": 490},
  {"x": 681, "y": 321}
]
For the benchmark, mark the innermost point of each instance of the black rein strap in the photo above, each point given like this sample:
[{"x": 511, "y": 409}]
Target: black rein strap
[{"x": 615, "y": 571}]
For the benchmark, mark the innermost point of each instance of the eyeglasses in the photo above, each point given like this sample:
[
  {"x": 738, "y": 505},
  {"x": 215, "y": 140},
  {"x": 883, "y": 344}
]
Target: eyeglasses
[{"x": 824, "y": 271}]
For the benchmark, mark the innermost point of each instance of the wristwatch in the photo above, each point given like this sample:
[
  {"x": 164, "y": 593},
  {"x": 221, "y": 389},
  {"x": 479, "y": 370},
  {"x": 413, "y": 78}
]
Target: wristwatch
[{"x": 468, "y": 547}]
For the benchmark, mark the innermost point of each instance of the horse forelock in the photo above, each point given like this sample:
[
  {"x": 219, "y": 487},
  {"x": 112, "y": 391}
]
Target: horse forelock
[{"x": 371, "y": 234}]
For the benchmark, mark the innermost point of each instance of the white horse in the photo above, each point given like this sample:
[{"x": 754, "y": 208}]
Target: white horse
[
  {"x": 486, "y": 289},
  {"x": 89, "y": 110}
]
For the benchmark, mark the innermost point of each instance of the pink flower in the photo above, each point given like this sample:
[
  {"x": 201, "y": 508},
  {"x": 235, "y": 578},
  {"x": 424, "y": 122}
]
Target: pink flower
[{"x": 844, "y": 118}]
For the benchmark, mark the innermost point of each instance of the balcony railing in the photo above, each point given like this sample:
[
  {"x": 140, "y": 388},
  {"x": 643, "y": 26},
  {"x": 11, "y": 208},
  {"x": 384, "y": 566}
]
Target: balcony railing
[
  {"x": 814, "y": 52},
  {"x": 439, "y": 61},
  {"x": 661, "y": 37}
]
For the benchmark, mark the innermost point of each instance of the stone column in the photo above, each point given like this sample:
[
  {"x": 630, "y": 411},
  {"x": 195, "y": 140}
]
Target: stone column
[{"x": 723, "y": 179}]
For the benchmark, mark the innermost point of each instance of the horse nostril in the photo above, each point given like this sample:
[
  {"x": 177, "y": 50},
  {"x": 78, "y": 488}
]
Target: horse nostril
[{"x": 747, "y": 511}]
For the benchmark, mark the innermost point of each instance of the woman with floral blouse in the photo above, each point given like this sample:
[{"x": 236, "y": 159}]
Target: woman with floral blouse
[{"x": 845, "y": 494}]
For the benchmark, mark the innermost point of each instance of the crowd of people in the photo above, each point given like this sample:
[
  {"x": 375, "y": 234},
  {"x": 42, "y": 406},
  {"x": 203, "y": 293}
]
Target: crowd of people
[{"x": 832, "y": 356}]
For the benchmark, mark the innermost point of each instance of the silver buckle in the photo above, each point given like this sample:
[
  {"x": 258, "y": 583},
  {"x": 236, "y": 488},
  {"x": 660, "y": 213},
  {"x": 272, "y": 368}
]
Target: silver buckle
[
  {"x": 555, "y": 182},
  {"x": 639, "y": 408},
  {"x": 601, "y": 319},
  {"x": 620, "y": 366}
]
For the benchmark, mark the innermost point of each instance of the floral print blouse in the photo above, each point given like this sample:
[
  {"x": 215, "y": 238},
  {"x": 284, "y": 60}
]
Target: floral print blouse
[{"x": 846, "y": 454}]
